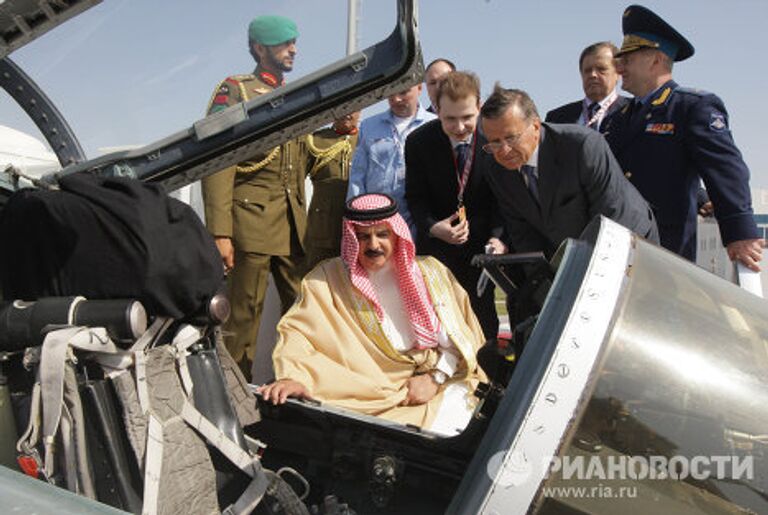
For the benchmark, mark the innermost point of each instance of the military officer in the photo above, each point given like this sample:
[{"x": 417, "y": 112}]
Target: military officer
[
  {"x": 256, "y": 209},
  {"x": 670, "y": 136},
  {"x": 330, "y": 154}
]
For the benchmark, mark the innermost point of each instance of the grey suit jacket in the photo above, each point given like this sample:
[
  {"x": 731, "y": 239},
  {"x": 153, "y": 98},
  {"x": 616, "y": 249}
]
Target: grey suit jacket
[{"x": 578, "y": 179}]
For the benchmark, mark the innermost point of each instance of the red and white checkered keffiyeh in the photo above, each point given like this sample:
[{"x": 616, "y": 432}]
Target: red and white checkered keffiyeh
[{"x": 413, "y": 290}]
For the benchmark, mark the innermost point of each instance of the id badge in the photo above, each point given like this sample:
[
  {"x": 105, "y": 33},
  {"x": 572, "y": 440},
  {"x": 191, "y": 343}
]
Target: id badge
[{"x": 462, "y": 212}]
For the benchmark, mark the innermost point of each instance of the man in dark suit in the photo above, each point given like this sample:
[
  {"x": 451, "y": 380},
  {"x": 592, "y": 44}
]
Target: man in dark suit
[
  {"x": 447, "y": 195},
  {"x": 598, "y": 78},
  {"x": 671, "y": 136},
  {"x": 550, "y": 180}
]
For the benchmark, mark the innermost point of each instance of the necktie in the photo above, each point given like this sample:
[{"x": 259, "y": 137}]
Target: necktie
[
  {"x": 591, "y": 110},
  {"x": 462, "y": 152},
  {"x": 532, "y": 180}
]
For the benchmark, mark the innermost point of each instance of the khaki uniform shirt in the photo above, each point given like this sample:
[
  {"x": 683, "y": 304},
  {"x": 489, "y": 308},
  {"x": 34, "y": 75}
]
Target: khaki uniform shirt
[
  {"x": 330, "y": 155},
  {"x": 259, "y": 203}
]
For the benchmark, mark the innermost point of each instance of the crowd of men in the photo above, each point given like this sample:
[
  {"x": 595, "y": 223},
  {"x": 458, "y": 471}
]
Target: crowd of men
[{"x": 461, "y": 177}]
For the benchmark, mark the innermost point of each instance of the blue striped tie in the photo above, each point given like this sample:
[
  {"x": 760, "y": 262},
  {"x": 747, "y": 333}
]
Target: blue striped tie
[{"x": 462, "y": 152}]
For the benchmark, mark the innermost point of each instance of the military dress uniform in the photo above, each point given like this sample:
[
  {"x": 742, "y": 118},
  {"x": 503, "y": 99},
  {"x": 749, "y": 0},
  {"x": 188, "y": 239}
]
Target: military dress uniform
[
  {"x": 671, "y": 137},
  {"x": 665, "y": 145},
  {"x": 260, "y": 204},
  {"x": 329, "y": 158}
]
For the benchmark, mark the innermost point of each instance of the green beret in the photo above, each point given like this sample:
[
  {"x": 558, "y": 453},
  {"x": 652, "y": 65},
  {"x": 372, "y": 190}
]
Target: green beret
[{"x": 272, "y": 30}]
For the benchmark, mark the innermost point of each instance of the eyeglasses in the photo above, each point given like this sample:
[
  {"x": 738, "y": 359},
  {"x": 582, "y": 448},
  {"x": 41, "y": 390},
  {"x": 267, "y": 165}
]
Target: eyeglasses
[{"x": 508, "y": 142}]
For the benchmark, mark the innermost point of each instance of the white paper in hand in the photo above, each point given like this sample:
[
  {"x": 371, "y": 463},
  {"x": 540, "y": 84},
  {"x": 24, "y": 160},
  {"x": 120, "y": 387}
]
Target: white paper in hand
[{"x": 749, "y": 279}]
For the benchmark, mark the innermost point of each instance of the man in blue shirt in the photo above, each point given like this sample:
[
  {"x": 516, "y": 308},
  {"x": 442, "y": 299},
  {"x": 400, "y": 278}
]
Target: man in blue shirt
[{"x": 378, "y": 165}]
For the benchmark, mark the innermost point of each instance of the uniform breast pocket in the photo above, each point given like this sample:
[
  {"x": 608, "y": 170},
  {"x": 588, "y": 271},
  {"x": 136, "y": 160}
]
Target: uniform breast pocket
[
  {"x": 322, "y": 226},
  {"x": 249, "y": 206},
  {"x": 320, "y": 206},
  {"x": 251, "y": 199}
]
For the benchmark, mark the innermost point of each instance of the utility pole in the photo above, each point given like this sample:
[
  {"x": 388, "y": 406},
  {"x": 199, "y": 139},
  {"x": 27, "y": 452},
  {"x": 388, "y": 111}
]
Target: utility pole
[{"x": 352, "y": 27}]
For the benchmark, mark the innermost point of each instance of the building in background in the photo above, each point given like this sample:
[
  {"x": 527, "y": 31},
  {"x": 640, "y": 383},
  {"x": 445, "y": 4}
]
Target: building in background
[
  {"x": 760, "y": 205},
  {"x": 711, "y": 254}
]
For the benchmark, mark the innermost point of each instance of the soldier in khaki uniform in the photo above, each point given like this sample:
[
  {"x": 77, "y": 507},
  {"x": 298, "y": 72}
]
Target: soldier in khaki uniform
[
  {"x": 330, "y": 154},
  {"x": 256, "y": 209}
]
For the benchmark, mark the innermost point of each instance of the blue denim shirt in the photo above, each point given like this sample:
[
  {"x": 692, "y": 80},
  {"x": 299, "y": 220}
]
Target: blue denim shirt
[{"x": 378, "y": 165}]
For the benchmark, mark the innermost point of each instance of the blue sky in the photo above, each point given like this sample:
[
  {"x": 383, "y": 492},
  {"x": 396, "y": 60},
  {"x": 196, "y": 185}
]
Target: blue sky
[{"x": 130, "y": 72}]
